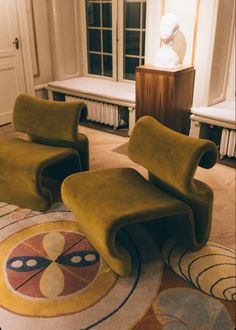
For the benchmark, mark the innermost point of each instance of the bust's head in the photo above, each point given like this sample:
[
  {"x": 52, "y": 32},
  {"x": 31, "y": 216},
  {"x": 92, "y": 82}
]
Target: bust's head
[{"x": 168, "y": 27}]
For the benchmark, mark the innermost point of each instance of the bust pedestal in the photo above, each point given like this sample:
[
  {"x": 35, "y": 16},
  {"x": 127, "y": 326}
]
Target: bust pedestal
[{"x": 166, "y": 95}]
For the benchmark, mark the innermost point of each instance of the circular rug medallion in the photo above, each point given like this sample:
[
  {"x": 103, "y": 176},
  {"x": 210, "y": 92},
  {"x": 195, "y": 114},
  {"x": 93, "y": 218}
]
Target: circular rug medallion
[
  {"x": 48, "y": 269},
  {"x": 56, "y": 269}
]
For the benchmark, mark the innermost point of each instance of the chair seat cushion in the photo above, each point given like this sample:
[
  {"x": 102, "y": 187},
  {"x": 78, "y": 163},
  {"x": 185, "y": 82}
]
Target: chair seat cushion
[
  {"x": 29, "y": 155},
  {"x": 119, "y": 194}
]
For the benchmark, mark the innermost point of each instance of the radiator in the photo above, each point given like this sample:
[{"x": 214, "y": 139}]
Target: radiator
[
  {"x": 100, "y": 112},
  {"x": 227, "y": 143}
]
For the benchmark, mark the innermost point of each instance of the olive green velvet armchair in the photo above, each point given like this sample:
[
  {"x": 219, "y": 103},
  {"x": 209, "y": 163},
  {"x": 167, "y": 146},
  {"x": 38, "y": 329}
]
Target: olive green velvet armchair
[
  {"x": 32, "y": 169},
  {"x": 106, "y": 200}
]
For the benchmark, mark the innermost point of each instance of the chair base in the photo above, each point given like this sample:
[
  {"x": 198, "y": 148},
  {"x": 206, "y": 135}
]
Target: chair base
[
  {"x": 106, "y": 200},
  {"x": 26, "y": 167}
]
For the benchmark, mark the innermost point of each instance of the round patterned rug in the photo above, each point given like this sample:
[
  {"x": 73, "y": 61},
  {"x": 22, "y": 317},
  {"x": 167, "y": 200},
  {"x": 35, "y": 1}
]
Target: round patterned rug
[{"x": 51, "y": 276}]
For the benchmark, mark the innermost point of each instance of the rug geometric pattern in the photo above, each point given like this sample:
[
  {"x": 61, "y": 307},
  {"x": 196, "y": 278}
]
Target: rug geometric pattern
[
  {"x": 52, "y": 277},
  {"x": 212, "y": 269}
]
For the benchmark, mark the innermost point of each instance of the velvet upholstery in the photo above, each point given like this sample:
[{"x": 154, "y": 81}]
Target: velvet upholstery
[
  {"x": 58, "y": 123},
  {"x": 106, "y": 200},
  {"x": 31, "y": 170}
]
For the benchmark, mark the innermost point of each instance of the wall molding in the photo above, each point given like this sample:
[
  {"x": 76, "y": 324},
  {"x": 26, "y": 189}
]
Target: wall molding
[
  {"x": 25, "y": 44},
  {"x": 34, "y": 43},
  {"x": 195, "y": 31}
]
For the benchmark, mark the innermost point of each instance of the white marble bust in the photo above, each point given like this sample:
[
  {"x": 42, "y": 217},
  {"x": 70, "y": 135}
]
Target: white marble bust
[{"x": 166, "y": 57}]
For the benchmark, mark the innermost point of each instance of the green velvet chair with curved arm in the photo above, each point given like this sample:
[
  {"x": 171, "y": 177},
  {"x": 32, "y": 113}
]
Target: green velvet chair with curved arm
[
  {"x": 106, "y": 200},
  {"x": 32, "y": 169}
]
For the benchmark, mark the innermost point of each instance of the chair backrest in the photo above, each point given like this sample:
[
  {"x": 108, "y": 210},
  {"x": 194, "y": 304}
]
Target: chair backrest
[
  {"x": 47, "y": 121},
  {"x": 170, "y": 156}
]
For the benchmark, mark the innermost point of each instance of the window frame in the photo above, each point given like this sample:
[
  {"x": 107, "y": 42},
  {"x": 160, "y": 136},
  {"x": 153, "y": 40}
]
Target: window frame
[
  {"x": 117, "y": 42},
  {"x": 120, "y": 31}
]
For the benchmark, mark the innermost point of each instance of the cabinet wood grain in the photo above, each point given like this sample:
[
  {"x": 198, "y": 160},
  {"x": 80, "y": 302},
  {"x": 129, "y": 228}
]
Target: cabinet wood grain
[{"x": 166, "y": 95}]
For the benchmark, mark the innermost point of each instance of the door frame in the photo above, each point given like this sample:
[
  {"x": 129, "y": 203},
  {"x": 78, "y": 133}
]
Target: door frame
[{"x": 25, "y": 47}]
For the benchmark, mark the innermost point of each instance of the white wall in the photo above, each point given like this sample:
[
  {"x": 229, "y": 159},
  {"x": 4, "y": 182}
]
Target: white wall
[
  {"x": 59, "y": 27},
  {"x": 152, "y": 42},
  {"x": 186, "y": 12},
  {"x": 64, "y": 37},
  {"x": 222, "y": 51},
  {"x": 24, "y": 35},
  {"x": 37, "y": 16},
  {"x": 54, "y": 39},
  {"x": 231, "y": 92},
  {"x": 198, "y": 21},
  {"x": 204, "y": 50}
]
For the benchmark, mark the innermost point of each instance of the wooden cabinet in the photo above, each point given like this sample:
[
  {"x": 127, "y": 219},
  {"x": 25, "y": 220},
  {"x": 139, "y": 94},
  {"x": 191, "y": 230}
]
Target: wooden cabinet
[{"x": 166, "y": 95}]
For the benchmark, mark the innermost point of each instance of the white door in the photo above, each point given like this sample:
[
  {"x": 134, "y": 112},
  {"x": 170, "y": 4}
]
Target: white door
[{"x": 12, "y": 81}]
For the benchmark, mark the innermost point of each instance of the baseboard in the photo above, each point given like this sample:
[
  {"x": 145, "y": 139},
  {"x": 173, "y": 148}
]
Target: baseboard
[{"x": 5, "y": 118}]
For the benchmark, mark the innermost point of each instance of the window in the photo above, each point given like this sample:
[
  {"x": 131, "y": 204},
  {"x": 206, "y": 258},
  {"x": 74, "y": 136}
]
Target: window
[
  {"x": 99, "y": 37},
  {"x": 115, "y": 37},
  {"x": 134, "y": 36}
]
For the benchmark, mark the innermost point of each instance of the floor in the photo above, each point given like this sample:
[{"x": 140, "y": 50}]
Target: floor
[{"x": 109, "y": 150}]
